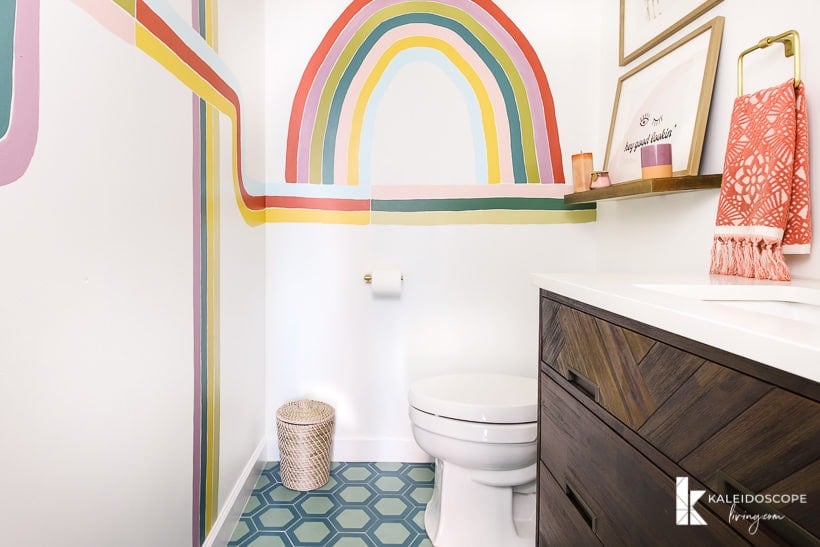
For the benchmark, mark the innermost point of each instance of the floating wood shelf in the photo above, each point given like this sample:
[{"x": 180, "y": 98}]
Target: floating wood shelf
[{"x": 646, "y": 187}]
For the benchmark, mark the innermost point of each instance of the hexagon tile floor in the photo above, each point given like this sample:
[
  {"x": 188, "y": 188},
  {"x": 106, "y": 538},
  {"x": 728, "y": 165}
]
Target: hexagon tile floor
[{"x": 362, "y": 505}]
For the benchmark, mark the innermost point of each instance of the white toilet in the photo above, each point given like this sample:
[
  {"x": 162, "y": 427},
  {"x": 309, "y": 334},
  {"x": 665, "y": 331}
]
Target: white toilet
[{"x": 481, "y": 429}]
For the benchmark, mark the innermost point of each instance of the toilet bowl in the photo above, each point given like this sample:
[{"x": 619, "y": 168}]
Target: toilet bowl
[{"x": 481, "y": 429}]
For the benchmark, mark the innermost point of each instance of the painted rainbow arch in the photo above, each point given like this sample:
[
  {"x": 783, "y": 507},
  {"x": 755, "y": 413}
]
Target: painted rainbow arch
[{"x": 520, "y": 133}]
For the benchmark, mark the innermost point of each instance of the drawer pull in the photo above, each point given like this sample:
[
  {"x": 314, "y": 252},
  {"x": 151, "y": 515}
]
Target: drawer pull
[
  {"x": 584, "y": 384},
  {"x": 583, "y": 509},
  {"x": 783, "y": 528}
]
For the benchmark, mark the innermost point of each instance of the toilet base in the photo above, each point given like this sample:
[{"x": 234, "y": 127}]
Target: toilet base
[{"x": 463, "y": 511}]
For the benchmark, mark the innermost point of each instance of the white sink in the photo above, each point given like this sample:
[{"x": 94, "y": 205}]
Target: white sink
[{"x": 797, "y": 303}]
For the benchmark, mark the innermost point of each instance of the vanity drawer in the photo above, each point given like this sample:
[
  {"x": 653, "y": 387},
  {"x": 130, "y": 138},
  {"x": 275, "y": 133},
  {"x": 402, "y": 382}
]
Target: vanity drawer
[
  {"x": 559, "y": 522},
  {"x": 627, "y": 373},
  {"x": 622, "y": 497},
  {"x": 771, "y": 447},
  {"x": 738, "y": 434}
]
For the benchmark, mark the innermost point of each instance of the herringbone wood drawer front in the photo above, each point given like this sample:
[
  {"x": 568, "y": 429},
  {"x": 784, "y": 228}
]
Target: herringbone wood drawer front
[{"x": 629, "y": 374}]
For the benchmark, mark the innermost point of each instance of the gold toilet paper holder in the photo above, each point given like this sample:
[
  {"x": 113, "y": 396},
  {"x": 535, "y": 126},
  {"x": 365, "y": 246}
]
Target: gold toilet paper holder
[{"x": 368, "y": 278}]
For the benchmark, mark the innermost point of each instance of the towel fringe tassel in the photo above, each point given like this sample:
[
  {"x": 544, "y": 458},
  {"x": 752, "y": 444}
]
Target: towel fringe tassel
[{"x": 759, "y": 258}]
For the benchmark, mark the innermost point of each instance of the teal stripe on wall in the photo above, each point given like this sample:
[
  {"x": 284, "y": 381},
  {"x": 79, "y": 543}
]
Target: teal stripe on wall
[
  {"x": 7, "y": 14},
  {"x": 476, "y": 204}
]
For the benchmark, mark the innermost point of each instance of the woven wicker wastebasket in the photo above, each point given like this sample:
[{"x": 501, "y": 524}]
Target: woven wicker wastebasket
[{"x": 305, "y": 431}]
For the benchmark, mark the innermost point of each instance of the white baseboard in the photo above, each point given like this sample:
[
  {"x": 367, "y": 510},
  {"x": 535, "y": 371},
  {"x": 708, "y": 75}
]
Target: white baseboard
[
  {"x": 369, "y": 450},
  {"x": 223, "y": 528}
]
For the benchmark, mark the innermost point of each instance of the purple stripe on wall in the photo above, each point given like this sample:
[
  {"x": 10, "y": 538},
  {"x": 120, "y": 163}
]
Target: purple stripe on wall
[
  {"x": 197, "y": 325},
  {"x": 197, "y": 538}
]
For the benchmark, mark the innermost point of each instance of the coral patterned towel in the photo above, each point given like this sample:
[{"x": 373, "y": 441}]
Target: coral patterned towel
[{"x": 764, "y": 208}]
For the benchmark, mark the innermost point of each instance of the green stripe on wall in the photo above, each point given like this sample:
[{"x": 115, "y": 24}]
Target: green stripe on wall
[
  {"x": 7, "y": 13},
  {"x": 442, "y": 218},
  {"x": 476, "y": 204},
  {"x": 127, "y": 5}
]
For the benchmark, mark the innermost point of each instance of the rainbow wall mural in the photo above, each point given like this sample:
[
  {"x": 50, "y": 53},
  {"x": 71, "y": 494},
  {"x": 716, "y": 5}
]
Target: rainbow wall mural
[
  {"x": 516, "y": 140},
  {"x": 19, "y": 86},
  {"x": 329, "y": 135},
  {"x": 520, "y": 134}
]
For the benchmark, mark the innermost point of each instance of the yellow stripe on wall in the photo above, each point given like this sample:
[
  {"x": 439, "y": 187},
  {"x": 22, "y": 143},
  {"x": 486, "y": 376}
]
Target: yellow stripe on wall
[
  {"x": 281, "y": 214},
  {"x": 212, "y": 209},
  {"x": 161, "y": 53},
  {"x": 212, "y": 280}
]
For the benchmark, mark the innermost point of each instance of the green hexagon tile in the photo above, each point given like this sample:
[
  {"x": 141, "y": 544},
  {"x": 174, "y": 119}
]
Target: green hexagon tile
[{"x": 362, "y": 505}]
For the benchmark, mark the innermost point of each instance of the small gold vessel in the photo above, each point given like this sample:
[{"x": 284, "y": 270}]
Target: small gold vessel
[{"x": 600, "y": 179}]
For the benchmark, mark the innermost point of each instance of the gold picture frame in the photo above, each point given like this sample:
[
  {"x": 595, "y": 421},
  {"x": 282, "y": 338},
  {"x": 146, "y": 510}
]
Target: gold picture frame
[
  {"x": 665, "y": 99},
  {"x": 646, "y": 23}
]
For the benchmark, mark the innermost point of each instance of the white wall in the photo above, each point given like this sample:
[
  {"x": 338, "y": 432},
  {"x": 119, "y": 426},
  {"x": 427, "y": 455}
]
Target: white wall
[
  {"x": 674, "y": 233},
  {"x": 96, "y": 296},
  {"x": 467, "y": 303},
  {"x": 96, "y": 303},
  {"x": 242, "y": 262}
]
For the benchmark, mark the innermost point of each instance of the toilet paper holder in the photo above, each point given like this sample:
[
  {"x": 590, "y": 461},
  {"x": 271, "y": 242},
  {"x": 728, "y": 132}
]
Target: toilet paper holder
[{"x": 368, "y": 278}]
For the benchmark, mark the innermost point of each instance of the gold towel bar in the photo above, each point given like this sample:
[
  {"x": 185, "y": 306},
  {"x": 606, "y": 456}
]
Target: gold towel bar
[{"x": 791, "y": 44}]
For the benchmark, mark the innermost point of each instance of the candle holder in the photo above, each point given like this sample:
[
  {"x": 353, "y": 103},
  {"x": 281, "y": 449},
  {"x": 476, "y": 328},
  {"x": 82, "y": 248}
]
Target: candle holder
[{"x": 600, "y": 179}]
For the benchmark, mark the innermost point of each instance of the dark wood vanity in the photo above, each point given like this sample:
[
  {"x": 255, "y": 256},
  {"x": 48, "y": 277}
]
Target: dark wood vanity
[{"x": 627, "y": 408}]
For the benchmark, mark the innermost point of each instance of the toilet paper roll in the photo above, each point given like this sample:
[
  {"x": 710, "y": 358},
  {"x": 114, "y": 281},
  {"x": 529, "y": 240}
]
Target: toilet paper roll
[{"x": 386, "y": 283}]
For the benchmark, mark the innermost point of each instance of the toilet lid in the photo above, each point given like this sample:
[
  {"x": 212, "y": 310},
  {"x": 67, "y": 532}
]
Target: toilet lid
[{"x": 488, "y": 398}]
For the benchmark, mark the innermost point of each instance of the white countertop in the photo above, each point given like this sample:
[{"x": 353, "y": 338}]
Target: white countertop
[{"x": 774, "y": 323}]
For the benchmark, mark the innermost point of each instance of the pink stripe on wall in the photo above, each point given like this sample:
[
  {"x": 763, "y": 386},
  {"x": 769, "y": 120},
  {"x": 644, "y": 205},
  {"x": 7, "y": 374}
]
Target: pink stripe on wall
[
  {"x": 196, "y": 476},
  {"x": 112, "y": 17},
  {"x": 196, "y": 186},
  {"x": 17, "y": 147},
  {"x": 505, "y": 190}
]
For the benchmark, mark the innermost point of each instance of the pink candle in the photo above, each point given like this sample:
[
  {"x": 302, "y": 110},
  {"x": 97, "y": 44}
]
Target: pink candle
[{"x": 581, "y": 171}]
